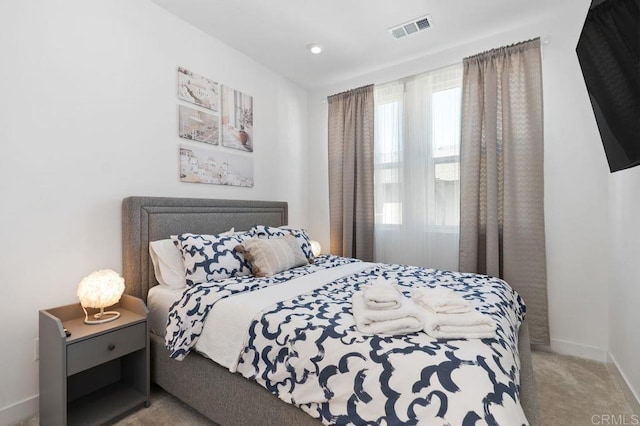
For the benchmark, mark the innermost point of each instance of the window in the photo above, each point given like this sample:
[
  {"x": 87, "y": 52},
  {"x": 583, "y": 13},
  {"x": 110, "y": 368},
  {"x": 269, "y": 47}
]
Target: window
[
  {"x": 446, "y": 155},
  {"x": 440, "y": 142},
  {"x": 417, "y": 162},
  {"x": 388, "y": 156}
]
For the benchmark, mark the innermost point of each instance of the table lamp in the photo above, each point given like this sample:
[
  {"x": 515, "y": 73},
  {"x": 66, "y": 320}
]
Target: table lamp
[
  {"x": 315, "y": 248},
  {"x": 100, "y": 289}
]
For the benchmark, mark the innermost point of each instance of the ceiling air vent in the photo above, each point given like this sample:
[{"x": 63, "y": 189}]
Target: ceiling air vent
[{"x": 411, "y": 27}]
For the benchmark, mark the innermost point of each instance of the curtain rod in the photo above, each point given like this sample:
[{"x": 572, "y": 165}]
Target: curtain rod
[{"x": 544, "y": 41}]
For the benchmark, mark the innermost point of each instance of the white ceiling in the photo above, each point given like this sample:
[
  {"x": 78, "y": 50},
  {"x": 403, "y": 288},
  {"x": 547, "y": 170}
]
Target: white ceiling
[{"x": 353, "y": 33}]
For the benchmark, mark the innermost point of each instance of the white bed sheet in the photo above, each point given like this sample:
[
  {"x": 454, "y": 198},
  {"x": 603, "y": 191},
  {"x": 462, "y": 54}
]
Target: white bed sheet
[
  {"x": 159, "y": 300},
  {"x": 226, "y": 328},
  {"x": 215, "y": 341}
]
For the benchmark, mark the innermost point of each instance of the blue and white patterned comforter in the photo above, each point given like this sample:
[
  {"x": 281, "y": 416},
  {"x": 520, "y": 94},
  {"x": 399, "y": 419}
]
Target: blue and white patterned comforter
[{"x": 308, "y": 352}]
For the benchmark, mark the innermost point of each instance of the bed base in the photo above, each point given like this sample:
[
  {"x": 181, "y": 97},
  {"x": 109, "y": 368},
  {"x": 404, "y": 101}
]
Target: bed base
[
  {"x": 230, "y": 399},
  {"x": 223, "y": 397}
]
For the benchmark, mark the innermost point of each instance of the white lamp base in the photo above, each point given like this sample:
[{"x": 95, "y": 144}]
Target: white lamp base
[{"x": 99, "y": 317}]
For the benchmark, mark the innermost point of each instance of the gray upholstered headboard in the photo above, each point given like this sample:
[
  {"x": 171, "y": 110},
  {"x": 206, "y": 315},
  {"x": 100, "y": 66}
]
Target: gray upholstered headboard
[{"x": 146, "y": 219}]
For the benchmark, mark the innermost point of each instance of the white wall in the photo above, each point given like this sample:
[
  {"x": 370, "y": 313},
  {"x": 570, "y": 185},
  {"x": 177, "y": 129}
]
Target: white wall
[
  {"x": 624, "y": 298},
  {"x": 88, "y": 117},
  {"x": 575, "y": 175}
]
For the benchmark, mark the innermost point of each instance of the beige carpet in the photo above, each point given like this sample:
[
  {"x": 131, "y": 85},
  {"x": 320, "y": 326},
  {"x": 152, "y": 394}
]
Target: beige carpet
[
  {"x": 164, "y": 410},
  {"x": 571, "y": 392},
  {"x": 576, "y": 392}
]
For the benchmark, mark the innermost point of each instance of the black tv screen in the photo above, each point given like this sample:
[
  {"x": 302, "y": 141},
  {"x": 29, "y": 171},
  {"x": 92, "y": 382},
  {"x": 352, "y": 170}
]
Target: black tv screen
[{"x": 609, "y": 52}]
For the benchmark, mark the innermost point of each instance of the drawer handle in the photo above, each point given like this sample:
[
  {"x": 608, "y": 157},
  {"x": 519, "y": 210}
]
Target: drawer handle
[{"x": 111, "y": 346}]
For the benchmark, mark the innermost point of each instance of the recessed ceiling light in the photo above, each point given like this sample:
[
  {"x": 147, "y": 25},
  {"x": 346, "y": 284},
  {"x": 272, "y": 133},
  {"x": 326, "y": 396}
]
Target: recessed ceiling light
[{"x": 314, "y": 48}]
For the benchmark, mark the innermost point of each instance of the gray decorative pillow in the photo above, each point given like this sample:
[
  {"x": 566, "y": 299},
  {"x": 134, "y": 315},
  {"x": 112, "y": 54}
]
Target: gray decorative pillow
[
  {"x": 265, "y": 231},
  {"x": 212, "y": 257},
  {"x": 269, "y": 256}
]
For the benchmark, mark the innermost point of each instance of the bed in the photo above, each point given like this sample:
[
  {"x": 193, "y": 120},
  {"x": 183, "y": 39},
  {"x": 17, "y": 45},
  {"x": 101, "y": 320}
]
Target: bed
[{"x": 224, "y": 397}]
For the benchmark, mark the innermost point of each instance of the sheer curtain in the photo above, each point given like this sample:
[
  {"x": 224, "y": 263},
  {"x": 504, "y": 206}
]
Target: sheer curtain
[{"x": 416, "y": 169}]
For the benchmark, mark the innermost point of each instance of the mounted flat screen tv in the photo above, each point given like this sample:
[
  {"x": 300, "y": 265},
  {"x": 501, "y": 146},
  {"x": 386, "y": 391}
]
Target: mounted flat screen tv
[{"x": 609, "y": 52}]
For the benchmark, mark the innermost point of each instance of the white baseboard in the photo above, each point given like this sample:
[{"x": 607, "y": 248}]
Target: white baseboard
[
  {"x": 630, "y": 394},
  {"x": 574, "y": 349},
  {"x": 19, "y": 411}
]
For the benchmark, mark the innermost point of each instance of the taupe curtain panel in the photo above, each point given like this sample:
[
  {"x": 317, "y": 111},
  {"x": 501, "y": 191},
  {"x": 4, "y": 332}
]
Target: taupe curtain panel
[
  {"x": 351, "y": 210},
  {"x": 501, "y": 175}
]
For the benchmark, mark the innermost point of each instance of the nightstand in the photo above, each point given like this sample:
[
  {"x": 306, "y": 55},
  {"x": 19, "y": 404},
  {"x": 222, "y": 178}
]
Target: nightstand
[{"x": 97, "y": 373}]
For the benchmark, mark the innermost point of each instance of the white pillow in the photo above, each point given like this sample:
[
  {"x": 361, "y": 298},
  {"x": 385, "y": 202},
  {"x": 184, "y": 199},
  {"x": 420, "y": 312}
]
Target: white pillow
[{"x": 168, "y": 265}]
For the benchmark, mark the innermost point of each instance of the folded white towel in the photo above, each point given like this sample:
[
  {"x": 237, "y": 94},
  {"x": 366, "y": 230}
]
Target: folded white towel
[
  {"x": 407, "y": 318},
  {"x": 469, "y": 325},
  {"x": 382, "y": 294},
  {"x": 440, "y": 300}
]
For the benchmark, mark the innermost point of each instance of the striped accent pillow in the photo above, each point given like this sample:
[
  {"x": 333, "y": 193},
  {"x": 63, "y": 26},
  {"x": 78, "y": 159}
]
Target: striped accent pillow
[
  {"x": 269, "y": 256},
  {"x": 265, "y": 231}
]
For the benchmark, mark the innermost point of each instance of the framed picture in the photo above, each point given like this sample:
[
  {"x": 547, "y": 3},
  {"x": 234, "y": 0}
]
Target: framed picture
[
  {"x": 237, "y": 120},
  {"x": 197, "y": 125},
  {"x": 197, "y": 89},
  {"x": 209, "y": 165}
]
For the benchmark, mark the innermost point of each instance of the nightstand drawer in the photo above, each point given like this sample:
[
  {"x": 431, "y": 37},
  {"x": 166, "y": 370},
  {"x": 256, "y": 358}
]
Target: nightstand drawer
[{"x": 91, "y": 352}]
